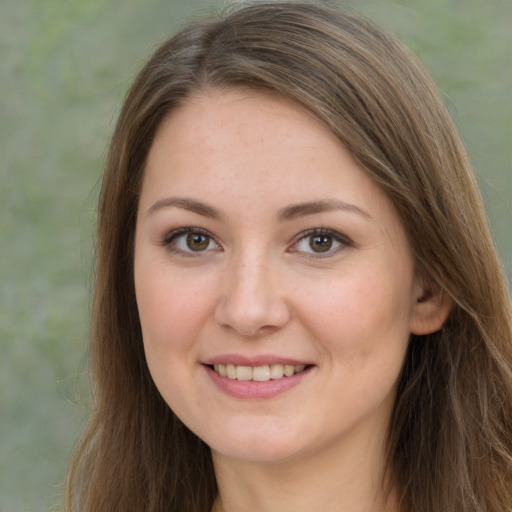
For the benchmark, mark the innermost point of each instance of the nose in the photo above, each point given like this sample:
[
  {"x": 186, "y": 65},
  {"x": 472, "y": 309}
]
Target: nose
[{"x": 252, "y": 300}]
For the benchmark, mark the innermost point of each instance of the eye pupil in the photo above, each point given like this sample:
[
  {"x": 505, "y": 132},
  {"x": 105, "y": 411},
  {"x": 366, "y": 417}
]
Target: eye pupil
[
  {"x": 320, "y": 243},
  {"x": 197, "y": 241}
]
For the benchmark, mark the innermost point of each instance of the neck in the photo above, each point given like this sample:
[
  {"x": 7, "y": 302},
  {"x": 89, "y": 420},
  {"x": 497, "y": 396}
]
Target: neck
[{"x": 338, "y": 478}]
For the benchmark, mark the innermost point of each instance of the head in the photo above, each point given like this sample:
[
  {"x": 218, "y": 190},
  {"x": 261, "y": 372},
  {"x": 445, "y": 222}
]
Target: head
[{"x": 381, "y": 105}]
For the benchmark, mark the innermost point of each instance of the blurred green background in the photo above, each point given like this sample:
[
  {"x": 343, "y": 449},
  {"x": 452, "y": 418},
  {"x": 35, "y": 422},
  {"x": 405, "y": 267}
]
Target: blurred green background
[{"x": 65, "y": 66}]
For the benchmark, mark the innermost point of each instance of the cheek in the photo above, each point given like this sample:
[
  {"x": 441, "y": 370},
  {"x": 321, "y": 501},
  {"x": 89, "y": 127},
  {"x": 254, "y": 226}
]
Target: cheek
[
  {"x": 172, "y": 312},
  {"x": 361, "y": 314},
  {"x": 171, "y": 308}
]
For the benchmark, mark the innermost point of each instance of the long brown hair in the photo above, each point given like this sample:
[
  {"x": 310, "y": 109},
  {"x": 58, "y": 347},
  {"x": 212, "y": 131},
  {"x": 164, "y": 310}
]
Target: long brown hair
[{"x": 450, "y": 438}]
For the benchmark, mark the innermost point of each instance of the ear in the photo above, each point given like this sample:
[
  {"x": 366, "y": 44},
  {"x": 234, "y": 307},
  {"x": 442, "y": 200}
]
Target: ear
[{"x": 431, "y": 308}]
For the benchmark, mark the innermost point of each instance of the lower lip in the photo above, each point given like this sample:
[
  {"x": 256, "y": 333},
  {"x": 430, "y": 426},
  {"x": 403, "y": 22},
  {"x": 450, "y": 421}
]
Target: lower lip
[{"x": 252, "y": 389}]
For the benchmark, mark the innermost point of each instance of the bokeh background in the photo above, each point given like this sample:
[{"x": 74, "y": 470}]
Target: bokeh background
[{"x": 65, "y": 66}]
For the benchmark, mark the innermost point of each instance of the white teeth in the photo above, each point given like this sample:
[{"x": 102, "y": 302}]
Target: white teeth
[
  {"x": 230, "y": 371},
  {"x": 243, "y": 373},
  {"x": 276, "y": 371},
  {"x": 257, "y": 373},
  {"x": 289, "y": 370},
  {"x": 261, "y": 373}
]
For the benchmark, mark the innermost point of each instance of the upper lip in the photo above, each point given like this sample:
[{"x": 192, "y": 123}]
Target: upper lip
[{"x": 260, "y": 360}]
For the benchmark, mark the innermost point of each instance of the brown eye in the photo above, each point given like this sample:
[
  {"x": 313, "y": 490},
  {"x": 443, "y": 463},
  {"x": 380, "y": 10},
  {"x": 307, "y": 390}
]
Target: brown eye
[
  {"x": 320, "y": 243},
  {"x": 197, "y": 241},
  {"x": 190, "y": 242}
]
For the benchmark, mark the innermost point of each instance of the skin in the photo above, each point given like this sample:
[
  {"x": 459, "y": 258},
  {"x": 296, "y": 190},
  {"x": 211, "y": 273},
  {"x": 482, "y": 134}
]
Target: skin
[{"x": 257, "y": 288}]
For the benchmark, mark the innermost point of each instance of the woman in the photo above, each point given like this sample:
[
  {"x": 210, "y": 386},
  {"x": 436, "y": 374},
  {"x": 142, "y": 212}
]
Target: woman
[{"x": 298, "y": 303}]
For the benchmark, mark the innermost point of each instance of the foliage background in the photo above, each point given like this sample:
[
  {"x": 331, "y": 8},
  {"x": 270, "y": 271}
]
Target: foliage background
[{"x": 65, "y": 66}]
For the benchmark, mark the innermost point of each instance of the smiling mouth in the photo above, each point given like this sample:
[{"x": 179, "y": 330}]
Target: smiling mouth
[{"x": 257, "y": 373}]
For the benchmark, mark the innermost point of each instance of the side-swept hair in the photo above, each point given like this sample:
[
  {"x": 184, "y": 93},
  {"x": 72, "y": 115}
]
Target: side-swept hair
[{"x": 449, "y": 444}]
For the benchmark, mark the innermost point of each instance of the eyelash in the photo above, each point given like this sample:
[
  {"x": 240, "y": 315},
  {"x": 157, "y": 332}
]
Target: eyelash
[
  {"x": 174, "y": 235},
  {"x": 342, "y": 240}
]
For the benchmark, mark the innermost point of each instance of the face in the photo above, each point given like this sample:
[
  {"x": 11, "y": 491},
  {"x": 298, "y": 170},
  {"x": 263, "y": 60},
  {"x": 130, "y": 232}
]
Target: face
[{"x": 274, "y": 281}]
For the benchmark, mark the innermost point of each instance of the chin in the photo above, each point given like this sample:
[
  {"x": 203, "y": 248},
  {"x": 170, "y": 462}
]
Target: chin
[
  {"x": 265, "y": 444},
  {"x": 259, "y": 452}
]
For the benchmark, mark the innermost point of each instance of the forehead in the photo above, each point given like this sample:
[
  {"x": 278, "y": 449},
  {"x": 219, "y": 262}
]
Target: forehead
[
  {"x": 243, "y": 147},
  {"x": 253, "y": 127},
  {"x": 207, "y": 117}
]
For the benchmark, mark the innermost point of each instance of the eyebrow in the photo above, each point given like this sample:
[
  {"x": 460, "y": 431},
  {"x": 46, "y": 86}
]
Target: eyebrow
[
  {"x": 186, "y": 203},
  {"x": 325, "y": 205},
  {"x": 287, "y": 213}
]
